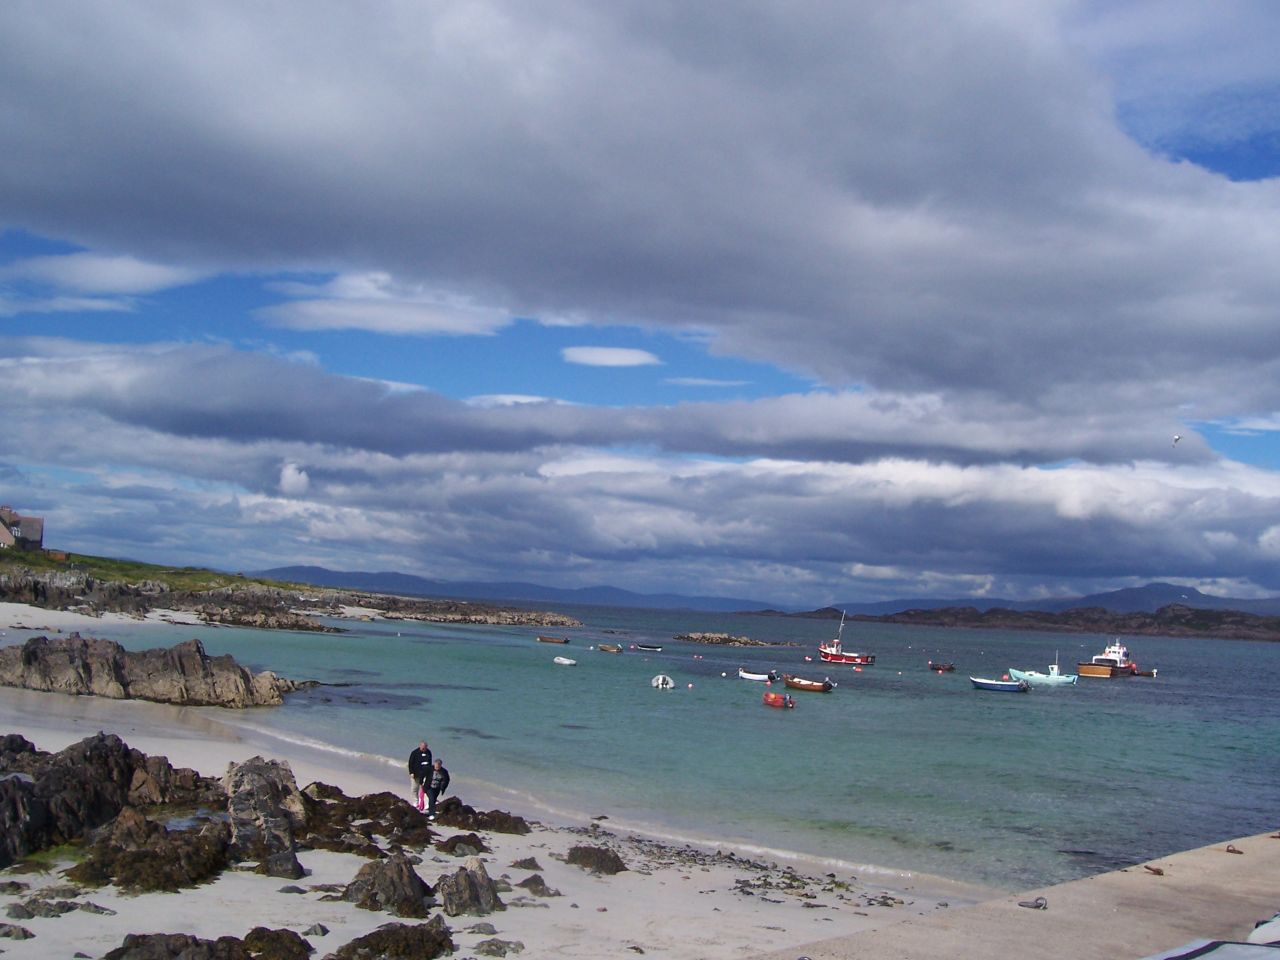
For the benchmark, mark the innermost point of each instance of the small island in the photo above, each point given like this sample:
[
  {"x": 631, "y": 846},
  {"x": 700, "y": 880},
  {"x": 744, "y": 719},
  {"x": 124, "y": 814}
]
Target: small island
[{"x": 726, "y": 640}]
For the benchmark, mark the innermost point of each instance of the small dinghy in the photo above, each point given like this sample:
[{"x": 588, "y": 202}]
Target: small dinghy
[
  {"x": 780, "y": 700},
  {"x": 1006, "y": 685},
  {"x": 564, "y": 661},
  {"x": 813, "y": 686},
  {"x": 1054, "y": 678}
]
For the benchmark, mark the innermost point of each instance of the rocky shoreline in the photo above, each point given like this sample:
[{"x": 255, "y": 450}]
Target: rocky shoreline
[
  {"x": 115, "y": 801},
  {"x": 108, "y": 851},
  {"x": 183, "y": 674},
  {"x": 258, "y": 605}
]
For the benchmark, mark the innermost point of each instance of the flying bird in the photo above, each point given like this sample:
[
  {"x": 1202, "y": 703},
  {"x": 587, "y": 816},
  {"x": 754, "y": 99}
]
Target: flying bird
[{"x": 1176, "y": 438}]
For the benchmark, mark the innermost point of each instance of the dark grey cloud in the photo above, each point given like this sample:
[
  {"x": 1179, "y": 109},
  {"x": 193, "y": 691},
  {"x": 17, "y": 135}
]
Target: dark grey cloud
[
  {"x": 929, "y": 209},
  {"x": 189, "y": 485},
  {"x": 928, "y": 198},
  {"x": 194, "y": 391}
]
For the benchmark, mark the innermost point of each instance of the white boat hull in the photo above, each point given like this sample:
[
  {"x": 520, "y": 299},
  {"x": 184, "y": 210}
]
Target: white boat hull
[{"x": 1037, "y": 679}]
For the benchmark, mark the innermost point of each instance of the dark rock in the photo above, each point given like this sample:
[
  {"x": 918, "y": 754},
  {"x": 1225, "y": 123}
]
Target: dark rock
[
  {"x": 59, "y": 891},
  {"x": 267, "y": 944},
  {"x": 177, "y": 946},
  {"x": 538, "y": 887},
  {"x": 468, "y": 890},
  {"x": 400, "y": 941},
  {"x": 11, "y": 931},
  {"x": 88, "y": 907},
  {"x": 452, "y": 812},
  {"x": 18, "y": 911},
  {"x": 498, "y": 948},
  {"x": 349, "y": 824},
  {"x": 391, "y": 885},
  {"x": 482, "y": 929},
  {"x": 316, "y": 930},
  {"x": 11, "y": 887},
  {"x": 462, "y": 845},
  {"x": 527, "y": 863},
  {"x": 183, "y": 674},
  {"x": 291, "y": 888},
  {"x": 80, "y": 788},
  {"x": 266, "y": 808},
  {"x": 140, "y": 855},
  {"x": 46, "y": 908},
  {"x": 596, "y": 859}
]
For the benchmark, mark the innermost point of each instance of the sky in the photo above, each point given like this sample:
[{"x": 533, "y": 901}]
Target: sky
[{"x": 805, "y": 302}]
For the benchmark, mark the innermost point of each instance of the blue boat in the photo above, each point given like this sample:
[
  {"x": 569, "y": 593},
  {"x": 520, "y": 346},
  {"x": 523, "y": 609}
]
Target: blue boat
[{"x": 1008, "y": 686}]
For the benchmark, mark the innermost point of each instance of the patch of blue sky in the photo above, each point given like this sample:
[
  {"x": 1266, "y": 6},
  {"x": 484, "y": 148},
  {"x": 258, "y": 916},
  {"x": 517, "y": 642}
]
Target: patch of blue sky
[
  {"x": 1257, "y": 445},
  {"x": 522, "y": 358},
  {"x": 1257, "y": 158},
  {"x": 19, "y": 244}
]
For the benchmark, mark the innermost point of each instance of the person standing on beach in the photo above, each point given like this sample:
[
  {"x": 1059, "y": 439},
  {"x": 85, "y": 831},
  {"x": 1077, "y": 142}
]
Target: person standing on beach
[
  {"x": 420, "y": 770},
  {"x": 437, "y": 784}
]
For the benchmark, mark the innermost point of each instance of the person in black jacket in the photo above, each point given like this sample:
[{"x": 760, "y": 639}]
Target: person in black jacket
[
  {"x": 420, "y": 770},
  {"x": 437, "y": 784}
]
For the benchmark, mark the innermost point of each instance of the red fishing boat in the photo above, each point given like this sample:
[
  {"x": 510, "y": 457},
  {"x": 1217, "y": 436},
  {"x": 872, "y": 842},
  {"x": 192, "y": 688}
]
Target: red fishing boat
[
  {"x": 833, "y": 652},
  {"x": 781, "y": 700}
]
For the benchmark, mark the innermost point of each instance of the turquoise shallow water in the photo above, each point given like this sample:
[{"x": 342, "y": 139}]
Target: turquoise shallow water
[{"x": 898, "y": 766}]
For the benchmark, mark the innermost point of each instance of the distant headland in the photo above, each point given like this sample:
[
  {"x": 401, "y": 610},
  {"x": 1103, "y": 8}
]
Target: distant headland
[
  {"x": 1172, "y": 620},
  {"x": 96, "y": 585}
]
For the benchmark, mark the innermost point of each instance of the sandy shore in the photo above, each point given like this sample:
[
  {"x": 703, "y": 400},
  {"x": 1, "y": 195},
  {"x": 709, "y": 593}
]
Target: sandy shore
[{"x": 682, "y": 903}]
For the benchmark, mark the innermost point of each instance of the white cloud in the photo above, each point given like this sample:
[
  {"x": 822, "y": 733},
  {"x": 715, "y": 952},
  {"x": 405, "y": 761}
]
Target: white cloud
[
  {"x": 506, "y": 400},
  {"x": 609, "y": 357},
  {"x": 10, "y": 307},
  {"x": 377, "y": 302},
  {"x": 704, "y": 382},
  {"x": 294, "y": 481},
  {"x": 385, "y": 316},
  {"x": 98, "y": 274}
]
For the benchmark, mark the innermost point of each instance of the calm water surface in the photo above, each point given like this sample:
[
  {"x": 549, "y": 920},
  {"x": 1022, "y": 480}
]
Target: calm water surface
[{"x": 897, "y": 766}]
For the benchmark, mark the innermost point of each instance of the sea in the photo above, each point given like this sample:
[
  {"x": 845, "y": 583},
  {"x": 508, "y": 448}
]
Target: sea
[{"x": 898, "y": 768}]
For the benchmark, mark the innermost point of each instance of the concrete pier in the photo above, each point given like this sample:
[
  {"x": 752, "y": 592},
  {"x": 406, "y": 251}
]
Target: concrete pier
[{"x": 1208, "y": 893}]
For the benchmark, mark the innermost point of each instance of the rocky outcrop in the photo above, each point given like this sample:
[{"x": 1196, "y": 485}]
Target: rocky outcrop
[
  {"x": 422, "y": 941},
  {"x": 390, "y": 885},
  {"x": 245, "y": 603},
  {"x": 468, "y": 890},
  {"x": 183, "y": 674},
  {"x": 353, "y": 824},
  {"x": 595, "y": 859},
  {"x": 51, "y": 798},
  {"x": 259, "y": 944},
  {"x": 266, "y": 810},
  {"x": 140, "y": 856},
  {"x": 452, "y": 812},
  {"x": 722, "y": 639}
]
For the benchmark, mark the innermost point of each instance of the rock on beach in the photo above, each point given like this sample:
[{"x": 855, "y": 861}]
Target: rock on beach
[{"x": 183, "y": 674}]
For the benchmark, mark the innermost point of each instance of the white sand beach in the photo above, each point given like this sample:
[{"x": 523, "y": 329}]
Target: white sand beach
[{"x": 682, "y": 904}]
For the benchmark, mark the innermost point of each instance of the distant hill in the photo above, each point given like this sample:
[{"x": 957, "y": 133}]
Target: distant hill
[
  {"x": 1146, "y": 599},
  {"x": 409, "y": 585},
  {"x": 1174, "y": 620}
]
